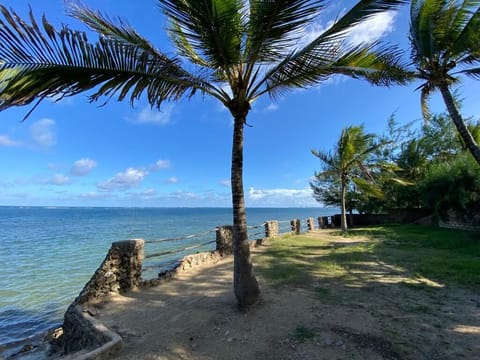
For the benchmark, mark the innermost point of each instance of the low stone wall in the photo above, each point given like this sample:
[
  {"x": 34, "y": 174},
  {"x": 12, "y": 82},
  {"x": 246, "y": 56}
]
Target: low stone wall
[
  {"x": 121, "y": 271},
  {"x": 82, "y": 333}
]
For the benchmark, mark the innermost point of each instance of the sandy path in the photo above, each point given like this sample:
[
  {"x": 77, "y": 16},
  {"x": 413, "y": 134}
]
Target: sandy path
[{"x": 195, "y": 317}]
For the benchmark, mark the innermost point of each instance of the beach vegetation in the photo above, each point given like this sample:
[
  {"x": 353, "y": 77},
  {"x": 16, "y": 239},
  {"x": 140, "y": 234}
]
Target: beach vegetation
[{"x": 348, "y": 170}]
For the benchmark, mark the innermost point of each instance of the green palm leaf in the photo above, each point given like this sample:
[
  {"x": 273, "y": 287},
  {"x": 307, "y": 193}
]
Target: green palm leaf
[
  {"x": 212, "y": 29},
  {"x": 53, "y": 63},
  {"x": 330, "y": 54},
  {"x": 273, "y": 27}
]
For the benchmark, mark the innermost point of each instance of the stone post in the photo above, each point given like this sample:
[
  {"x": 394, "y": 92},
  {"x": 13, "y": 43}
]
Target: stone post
[
  {"x": 224, "y": 239},
  {"x": 321, "y": 224},
  {"x": 271, "y": 229},
  {"x": 119, "y": 272},
  {"x": 296, "y": 226},
  {"x": 310, "y": 224}
]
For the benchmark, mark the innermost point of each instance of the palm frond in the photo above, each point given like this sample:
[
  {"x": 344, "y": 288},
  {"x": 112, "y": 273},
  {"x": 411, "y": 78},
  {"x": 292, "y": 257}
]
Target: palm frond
[
  {"x": 425, "y": 92},
  {"x": 362, "y": 11},
  {"x": 474, "y": 73},
  {"x": 422, "y": 29},
  {"x": 213, "y": 29},
  {"x": 36, "y": 63},
  {"x": 468, "y": 39},
  {"x": 273, "y": 27},
  {"x": 330, "y": 54},
  {"x": 326, "y": 158},
  {"x": 113, "y": 28}
]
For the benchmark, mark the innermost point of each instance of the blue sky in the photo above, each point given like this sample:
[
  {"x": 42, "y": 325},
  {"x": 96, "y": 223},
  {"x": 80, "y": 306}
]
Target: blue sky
[{"x": 73, "y": 153}]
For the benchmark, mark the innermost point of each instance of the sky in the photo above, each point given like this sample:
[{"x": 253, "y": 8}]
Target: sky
[{"x": 76, "y": 153}]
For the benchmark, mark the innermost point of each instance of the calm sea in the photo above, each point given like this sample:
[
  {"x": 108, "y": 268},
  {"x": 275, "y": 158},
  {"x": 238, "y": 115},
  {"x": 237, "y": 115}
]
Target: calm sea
[{"x": 48, "y": 254}]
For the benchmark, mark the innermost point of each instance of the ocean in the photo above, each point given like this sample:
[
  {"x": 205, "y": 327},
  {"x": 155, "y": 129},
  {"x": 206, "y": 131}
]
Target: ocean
[{"x": 49, "y": 253}]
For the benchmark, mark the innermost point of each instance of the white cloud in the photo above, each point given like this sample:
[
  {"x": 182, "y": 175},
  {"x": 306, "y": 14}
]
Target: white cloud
[
  {"x": 58, "y": 179},
  {"x": 153, "y": 116},
  {"x": 124, "y": 180},
  {"x": 271, "y": 107},
  {"x": 160, "y": 165},
  {"x": 226, "y": 182},
  {"x": 281, "y": 197},
  {"x": 7, "y": 142},
  {"x": 149, "y": 193},
  {"x": 172, "y": 180},
  {"x": 83, "y": 167},
  {"x": 42, "y": 133},
  {"x": 313, "y": 31},
  {"x": 372, "y": 29}
]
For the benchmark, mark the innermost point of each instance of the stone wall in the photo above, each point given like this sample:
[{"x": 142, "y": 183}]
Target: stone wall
[
  {"x": 454, "y": 220},
  {"x": 119, "y": 272}
]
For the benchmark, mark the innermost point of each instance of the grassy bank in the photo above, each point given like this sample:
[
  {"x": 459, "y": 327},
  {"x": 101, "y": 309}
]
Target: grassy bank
[{"x": 424, "y": 256}]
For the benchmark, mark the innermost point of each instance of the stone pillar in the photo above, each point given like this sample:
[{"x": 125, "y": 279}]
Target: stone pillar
[
  {"x": 296, "y": 226},
  {"x": 321, "y": 224},
  {"x": 119, "y": 272},
  {"x": 225, "y": 239},
  {"x": 310, "y": 224},
  {"x": 271, "y": 229}
]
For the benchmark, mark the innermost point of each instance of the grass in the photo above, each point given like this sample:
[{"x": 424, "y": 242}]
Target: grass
[
  {"x": 303, "y": 333},
  {"x": 427, "y": 256}
]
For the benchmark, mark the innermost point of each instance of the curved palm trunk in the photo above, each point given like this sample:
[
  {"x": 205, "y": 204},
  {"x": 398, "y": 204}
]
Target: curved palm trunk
[
  {"x": 459, "y": 123},
  {"x": 244, "y": 282},
  {"x": 343, "y": 216}
]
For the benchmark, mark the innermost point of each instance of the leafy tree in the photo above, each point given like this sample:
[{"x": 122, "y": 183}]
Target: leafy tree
[
  {"x": 452, "y": 185},
  {"x": 445, "y": 42},
  {"x": 350, "y": 162},
  {"x": 232, "y": 50}
]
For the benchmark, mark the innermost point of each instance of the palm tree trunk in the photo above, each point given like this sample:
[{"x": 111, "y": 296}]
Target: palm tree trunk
[
  {"x": 343, "y": 221},
  {"x": 244, "y": 282},
  {"x": 459, "y": 123}
]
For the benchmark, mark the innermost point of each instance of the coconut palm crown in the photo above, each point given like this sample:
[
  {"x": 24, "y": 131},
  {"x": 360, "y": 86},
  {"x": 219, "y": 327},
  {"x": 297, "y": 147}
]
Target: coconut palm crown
[
  {"x": 232, "y": 50},
  {"x": 445, "y": 43},
  {"x": 350, "y": 161}
]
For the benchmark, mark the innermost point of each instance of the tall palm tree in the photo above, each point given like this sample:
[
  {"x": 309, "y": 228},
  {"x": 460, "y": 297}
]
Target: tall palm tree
[
  {"x": 445, "y": 43},
  {"x": 350, "y": 161},
  {"x": 232, "y": 50}
]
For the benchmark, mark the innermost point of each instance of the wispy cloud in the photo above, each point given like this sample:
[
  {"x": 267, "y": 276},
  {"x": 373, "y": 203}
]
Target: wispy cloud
[
  {"x": 153, "y": 116},
  {"x": 160, "y": 165},
  {"x": 124, "y": 180},
  {"x": 226, "y": 182},
  {"x": 172, "y": 180},
  {"x": 83, "y": 167},
  {"x": 373, "y": 29},
  {"x": 5, "y": 141},
  {"x": 42, "y": 133},
  {"x": 58, "y": 179},
  {"x": 281, "y": 197}
]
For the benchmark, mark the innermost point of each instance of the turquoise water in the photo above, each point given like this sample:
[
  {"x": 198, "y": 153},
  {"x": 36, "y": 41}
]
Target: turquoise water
[{"x": 48, "y": 254}]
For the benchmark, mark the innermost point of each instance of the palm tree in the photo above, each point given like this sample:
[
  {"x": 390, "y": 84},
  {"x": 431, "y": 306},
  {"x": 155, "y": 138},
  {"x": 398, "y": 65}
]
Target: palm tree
[
  {"x": 350, "y": 161},
  {"x": 445, "y": 43},
  {"x": 232, "y": 50}
]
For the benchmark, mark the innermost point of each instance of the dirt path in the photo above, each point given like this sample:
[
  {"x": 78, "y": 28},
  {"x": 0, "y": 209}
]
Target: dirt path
[{"x": 195, "y": 317}]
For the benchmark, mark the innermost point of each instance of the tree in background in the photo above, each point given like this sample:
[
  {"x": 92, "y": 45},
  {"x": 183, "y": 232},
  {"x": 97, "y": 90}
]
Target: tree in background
[
  {"x": 232, "y": 50},
  {"x": 349, "y": 163},
  {"x": 445, "y": 42},
  {"x": 452, "y": 185}
]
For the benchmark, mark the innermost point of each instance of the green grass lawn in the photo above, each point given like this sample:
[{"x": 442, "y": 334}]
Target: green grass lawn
[{"x": 440, "y": 256}]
